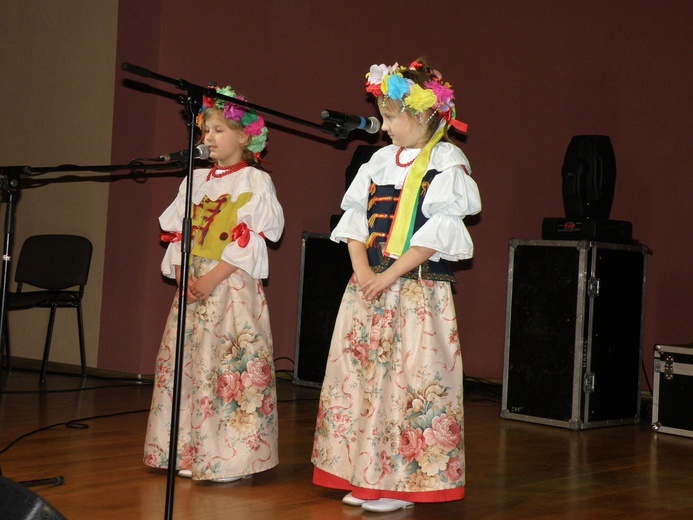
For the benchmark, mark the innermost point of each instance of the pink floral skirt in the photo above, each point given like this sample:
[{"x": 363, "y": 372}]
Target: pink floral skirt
[
  {"x": 391, "y": 420},
  {"x": 228, "y": 417}
]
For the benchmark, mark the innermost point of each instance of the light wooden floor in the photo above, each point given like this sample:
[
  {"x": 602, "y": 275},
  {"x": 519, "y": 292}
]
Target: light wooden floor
[{"x": 514, "y": 469}]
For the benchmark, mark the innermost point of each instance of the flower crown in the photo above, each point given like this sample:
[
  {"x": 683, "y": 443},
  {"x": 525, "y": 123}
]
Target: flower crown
[
  {"x": 435, "y": 94},
  {"x": 252, "y": 123}
]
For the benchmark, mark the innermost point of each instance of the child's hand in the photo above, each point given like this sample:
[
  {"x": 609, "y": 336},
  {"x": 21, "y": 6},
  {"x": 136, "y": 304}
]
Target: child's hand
[
  {"x": 201, "y": 288},
  {"x": 374, "y": 287},
  {"x": 365, "y": 276}
]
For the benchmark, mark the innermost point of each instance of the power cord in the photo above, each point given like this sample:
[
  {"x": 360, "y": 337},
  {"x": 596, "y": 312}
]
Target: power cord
[{"x": 76, "y": 423}]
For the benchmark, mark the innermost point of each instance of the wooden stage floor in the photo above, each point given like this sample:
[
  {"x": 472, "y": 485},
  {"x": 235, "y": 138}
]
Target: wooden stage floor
[{"x": 515, "y": 470}]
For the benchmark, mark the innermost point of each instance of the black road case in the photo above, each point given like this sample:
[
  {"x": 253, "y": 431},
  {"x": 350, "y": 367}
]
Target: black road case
[
  {"x": 325, "y": 271},
  {"x": 573, "y": 340},
  {"x": 672, "y": 399}
]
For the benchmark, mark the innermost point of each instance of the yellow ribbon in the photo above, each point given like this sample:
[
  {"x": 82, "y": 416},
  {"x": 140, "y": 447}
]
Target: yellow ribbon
[{"x": 405, "y": 214}]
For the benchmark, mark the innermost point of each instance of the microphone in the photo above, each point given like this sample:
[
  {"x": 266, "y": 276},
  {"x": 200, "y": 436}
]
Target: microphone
[
  {"x": 200, "y": 152},
  {"x": 349, "y": 122}
]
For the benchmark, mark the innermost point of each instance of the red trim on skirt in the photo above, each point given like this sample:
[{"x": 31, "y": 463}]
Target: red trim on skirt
[{"x": 324, "y": 479}]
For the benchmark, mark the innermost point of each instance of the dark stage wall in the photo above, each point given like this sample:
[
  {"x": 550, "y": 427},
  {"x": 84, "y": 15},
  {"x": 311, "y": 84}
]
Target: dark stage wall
[{"x": 528, "y": 76}]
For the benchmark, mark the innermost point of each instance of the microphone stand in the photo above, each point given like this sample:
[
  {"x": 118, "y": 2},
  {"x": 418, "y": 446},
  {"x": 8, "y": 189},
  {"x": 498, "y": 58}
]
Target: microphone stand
[
  {"x": 212, "y": 93},
  {"x": 9, "y": 182},
  {"x": 193, "y": 101}
]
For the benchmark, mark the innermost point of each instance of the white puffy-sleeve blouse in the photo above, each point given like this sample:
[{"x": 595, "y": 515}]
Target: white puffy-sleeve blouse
[
  {"x": 262, "y": 214},
  {"x": 451, "y": 196}
]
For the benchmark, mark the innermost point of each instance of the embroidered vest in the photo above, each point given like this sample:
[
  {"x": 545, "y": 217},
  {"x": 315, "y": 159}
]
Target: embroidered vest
[
  {"x": 212, "y": 224},
  {"x": 382, "y": 202}
]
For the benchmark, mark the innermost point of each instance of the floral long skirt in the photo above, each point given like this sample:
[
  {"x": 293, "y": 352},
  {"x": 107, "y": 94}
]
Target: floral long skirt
[
  {"x": 228, "y": 418},
  {"x": 391, "y": 421}
]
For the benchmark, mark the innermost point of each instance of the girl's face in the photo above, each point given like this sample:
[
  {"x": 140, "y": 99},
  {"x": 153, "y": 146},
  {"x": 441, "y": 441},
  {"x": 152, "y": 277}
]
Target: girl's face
[
  {"x": 225, "y": 144},
  {"x": 403, "y": 128}
]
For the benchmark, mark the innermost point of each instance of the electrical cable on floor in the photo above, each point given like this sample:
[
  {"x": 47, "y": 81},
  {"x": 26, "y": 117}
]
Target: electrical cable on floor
[
  {"x": 66, "y": 390},
  {"x": 75, "y": 423},
  {"x": 124, "y": 383}
]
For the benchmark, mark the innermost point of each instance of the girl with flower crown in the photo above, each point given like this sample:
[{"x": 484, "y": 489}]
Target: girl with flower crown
[
  {"x": 228, "y": 418},
  {"x": 390, "y": 426}
]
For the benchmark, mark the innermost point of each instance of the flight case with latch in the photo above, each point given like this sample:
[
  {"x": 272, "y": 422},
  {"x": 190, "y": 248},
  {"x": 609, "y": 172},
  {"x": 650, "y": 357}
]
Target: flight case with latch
[
  {"x": 573, "y": 342},
  {"x": 672, "y": 396}
]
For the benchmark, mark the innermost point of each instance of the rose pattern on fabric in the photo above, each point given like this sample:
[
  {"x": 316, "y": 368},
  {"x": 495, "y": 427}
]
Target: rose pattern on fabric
[
  {"x": 228, "y": 388},
  {"x": 390, "y": 413}
]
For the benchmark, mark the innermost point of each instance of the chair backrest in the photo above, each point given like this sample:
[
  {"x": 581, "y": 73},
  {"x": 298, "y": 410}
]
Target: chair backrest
[{"x": 54, "y": 262}]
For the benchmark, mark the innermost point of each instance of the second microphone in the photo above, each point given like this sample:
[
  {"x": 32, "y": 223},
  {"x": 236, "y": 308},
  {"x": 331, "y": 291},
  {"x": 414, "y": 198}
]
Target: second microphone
[
  {"x": 350, "y": 122},
  {"x": 199, "y": 152}
]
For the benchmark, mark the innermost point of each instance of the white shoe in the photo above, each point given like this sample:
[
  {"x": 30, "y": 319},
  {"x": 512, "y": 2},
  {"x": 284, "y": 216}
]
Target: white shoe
[
  {"x": 385, "y": 505},
  {"x": 185, "y": 473},
  {"x": 351, "y": 500},
  {"x": 230, "y": 479}
]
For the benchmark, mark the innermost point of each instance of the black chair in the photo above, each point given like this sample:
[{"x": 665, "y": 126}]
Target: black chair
[{"x": 58, "y": 267}]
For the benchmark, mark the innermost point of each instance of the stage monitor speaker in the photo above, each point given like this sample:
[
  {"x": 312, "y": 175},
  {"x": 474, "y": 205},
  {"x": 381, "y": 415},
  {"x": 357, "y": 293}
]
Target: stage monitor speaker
[
  {"x": 325, "y": 271},
  {"x": 17, "y": 502},
  {"x": 589, "y": 177}
]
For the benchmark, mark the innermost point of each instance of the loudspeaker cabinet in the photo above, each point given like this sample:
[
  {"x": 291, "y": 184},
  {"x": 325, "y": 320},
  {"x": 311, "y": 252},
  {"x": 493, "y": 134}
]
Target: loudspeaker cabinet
[
  {"x": 672, "y": 396},
  {"x": 573, "y": 338},
  {"x": 325, "y": 271},
  {"x": 17, "y": 502}
]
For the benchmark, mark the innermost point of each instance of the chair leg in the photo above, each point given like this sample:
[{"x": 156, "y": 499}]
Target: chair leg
[
  {"x": 47, "y": 347},
  {"x": 82, "y": 352}
]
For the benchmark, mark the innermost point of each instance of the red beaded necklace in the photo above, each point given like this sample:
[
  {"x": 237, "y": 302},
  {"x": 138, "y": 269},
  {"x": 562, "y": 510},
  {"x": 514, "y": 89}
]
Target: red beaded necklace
[
  {"x": 401, "y": 164},
  {"x": 218, "y": 172}
]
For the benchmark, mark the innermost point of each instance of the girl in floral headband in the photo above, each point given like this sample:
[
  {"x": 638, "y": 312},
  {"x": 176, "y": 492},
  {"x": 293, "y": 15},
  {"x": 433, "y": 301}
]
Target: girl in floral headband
[
  {"x": 390, "y": 427},
  {"x": 228, "y": 421},
  {"x": 237, "y": 116},
  {"x": 416, "y": 88}
]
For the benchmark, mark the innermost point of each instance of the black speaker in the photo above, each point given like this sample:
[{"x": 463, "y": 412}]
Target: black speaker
[
  {"x": 573, "y": 340},
  {"x": 325, "y": 271},
  {"x": 17, "y": 502},
  {"x": 589, "y": 177}
]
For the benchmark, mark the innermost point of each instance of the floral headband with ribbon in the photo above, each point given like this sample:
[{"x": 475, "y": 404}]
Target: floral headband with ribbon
[
  {"x": 435, "y": 94},
  {"x": 252, "y": 123}
]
